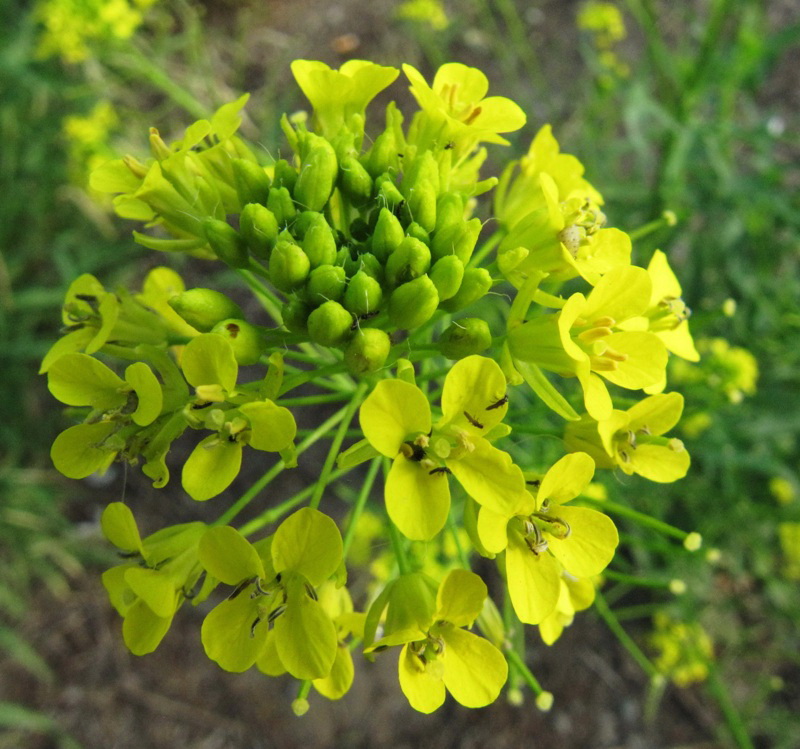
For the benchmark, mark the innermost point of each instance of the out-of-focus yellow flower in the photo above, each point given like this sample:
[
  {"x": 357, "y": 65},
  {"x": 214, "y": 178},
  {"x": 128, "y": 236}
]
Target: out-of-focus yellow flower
[
  {"x": 606, "y": 25},
  {"x": 789, "y": 537},
  {"x": 425, "y": 11},
  {"x": 782, "y": 489},
  {"x": 731, "y": 370},
  {"x": 684, "y": 649},
  {"x": 88, "y": 142}
]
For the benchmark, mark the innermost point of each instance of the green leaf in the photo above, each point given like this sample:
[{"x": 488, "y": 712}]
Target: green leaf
[
  {"x": 307, "y": 542},
  {"x": 211, "y": 468},
  {"x": 546, "y": 391},
  {"x": 78, "y": 451},
  {"x": 148, "y": 390},
  {"x": 119, "y": 527},
  {"x": 208, "y": 359},
  {"x": 81, "y": 380},
  {"x": 229, "y": 556},
  {"x": 460, "y": 598}
]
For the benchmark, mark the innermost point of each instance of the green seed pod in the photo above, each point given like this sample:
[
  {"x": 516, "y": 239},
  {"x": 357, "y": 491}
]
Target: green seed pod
[
  {"x": 367, "y": 351},
  {"x": 228, "y": 245},
  {"x": 204, "y": 308},
  {"x": 409, "y": 261},
  {"x": 364, "y": 294},
  {"x": 280, "y": 203},
  {"x": 285, "y": 175},
  {"x": 449, "y": 210},
  {"x": 382, "y": 157},
  {"x": 420, "y": 206},
  {"x": 475, "y": 285},
  {"x": 387, "y": 236},
  {"x": 329, "y": 324},
  {"x": 294, "y": 314},
  {"x": 465, "y": 337},
  {"x": 413, "y": 303},
  {"x": 245, "y": 339},
  {"x": 318, "y": 174},
  {"x": 447, "y": 274},
  {"x": 354, "y": 181},
  {"x": 457, "y": 239},
  {"x": 289, "y": 266},
  {"x": 326, "y": 283},
  {"x": 251, "y": 181},
  {"x": 258, "y": 226},
  {"x": 319, "y": 244},
  {"x": 416, "y": 231}
]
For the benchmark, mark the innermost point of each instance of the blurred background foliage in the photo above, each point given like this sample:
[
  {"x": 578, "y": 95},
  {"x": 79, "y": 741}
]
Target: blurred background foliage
[{"x": 688, "y": 107}]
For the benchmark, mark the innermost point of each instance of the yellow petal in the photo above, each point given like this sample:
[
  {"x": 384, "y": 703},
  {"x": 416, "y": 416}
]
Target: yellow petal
[
  {"x": 645, "y": 363},
  {"x": 566, "y": 479},
  {"x": 392, "y": 412},
  {"x": 533, "y": 581},
  {"x": 474, "y": 386},
  {"x": 424, "y": 692},
  {"x": 591, "y": 543},
  {"x": 657, "y": 414},
  {"x": 417, "y": 502},
  {"x": 474, "y": 669},
  {"x": 660, "y": 463}
]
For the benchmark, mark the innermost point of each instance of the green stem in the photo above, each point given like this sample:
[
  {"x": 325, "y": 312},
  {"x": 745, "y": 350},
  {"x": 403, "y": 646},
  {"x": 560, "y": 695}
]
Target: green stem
[
  {"x": 485, "y": 249},
  {"x": 314, "y": 400},
  {"x": 290, "y": 383},
  {"x": 350, "y": 409},
  {"x": 624, "y": 638},
  {"x": 516, "y": 660},
  {"x": 732, "y": 718},
  {"x": 359, "y": 505},
  {"x": 266, "y": 478},
  {"x": 642, "y": 582},
  {"x": 639, "y": 517},
  {"x": 667, "y": 218}
]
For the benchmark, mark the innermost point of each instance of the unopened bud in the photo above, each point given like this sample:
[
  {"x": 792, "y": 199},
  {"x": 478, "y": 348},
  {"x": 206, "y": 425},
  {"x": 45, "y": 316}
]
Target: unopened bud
[
  {"x": 245, "y": 339},
  {"x": 416, "y": 231},
  {"x": 258, "y": 226},
  {"x": 295, "y": 315},
  {"x": 449, "y": 210},
  {"x": 281, "y": 204},
  {"x": 228, "y": 245},
  {"x": 693, "y": 541},
  {"x": 677, "y": 587},
  {"x": 388, "y": 234},
  {"x": 251, "y": 181},
  {"x": 409, "y": 261},
  {"x": 364, "y": 294},
  {"x": 367, "y": 351},
  {"x": 383, "y": 155},
  {"x": 447, "y": 274},
  {"x": 289, "y": 266},
  {"x": 476, "y": 283},
  {"x": 456, "y": 239},
  {"x": 420, "y": 206},
  {"x": 319, "y": 244},
  {"x": 354, "y": 181},
  {"x": 389, "y": 195},
  {"x": 329, "y": 324},
  {"x": 284, "y": 175},
  {"x": 465, "y": 337},
  {"x": 204, "y": 308},
  {"x": 317, "y": 175},
  {"x": 544, "y": 701},
  {"x": 326, "y": 283},
  {"x": 413, "y": 303}
]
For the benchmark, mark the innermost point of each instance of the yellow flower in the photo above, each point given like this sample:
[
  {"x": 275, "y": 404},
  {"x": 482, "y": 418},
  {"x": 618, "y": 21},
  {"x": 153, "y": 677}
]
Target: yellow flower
[
  {"x": 684, "y": 649},
  {"x": 575, "y": 594},
  {"x": 426, "y": 11}
]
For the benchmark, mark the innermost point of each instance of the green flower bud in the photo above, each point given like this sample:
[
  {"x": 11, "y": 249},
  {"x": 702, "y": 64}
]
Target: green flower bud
[
  {"x": 465, "y": 337},
  {"x": 416, "y": 231},
  {"x": 476, "y": 283},
  {"x": 447, "y": 274},
  {"x": 317, "y": 175},
  {"x": 285, "y": 175},
  {"x": 228, "y": 245},
  {"x": 294, "y": 314},
  {"x": 280, "y": 203},
  {"x": 246, "y": 340},
  {"x": 364, "y": 294},
  {"x": 289, "y": 266},
  {"x": 329, "y": 324},
  {"x": 354, "y": 181},
  {"x": 382, "y": 157},
  {"x": 319, "y": 244},
  {"x": 367, "y": 351},
  {"x": 409, "y": 261},
  {"x": 423, "y": 170},
  {"x": 304, "y": 221},
  {"x": 343, "y": 257},
  {"x": 387, "y": 235},
  {"x": 258, "y": 226},
  {"x": 413, "y": 303},
  {"x": 449, "y": 210},
  {"x": 371, "y": 266},
  {"x": 204, "y": 308},
  {"x": 421, "y": 206},
  {"x": 457, "y": 239},
  {"x": 326, "y": 283},
  {"x": 389, "y": 195},
  {"x": 251, "y": 181}
]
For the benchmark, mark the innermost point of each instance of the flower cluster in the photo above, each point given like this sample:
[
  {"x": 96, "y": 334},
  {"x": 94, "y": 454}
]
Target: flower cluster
[{"x": 366, "y": 253}]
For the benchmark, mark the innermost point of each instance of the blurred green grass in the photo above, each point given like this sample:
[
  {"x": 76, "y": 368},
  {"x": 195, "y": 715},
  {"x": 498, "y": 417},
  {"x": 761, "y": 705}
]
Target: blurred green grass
[{"x": 705, "y": 124}]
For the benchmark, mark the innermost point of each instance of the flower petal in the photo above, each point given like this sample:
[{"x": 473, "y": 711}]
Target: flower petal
[
  {"x": 591, "y": 544},
  {"x": 424, "y": 692},
  {"x": 460, "y": 598},
  {"x": 474, "y": 386},
  {"x": 392, "y": 412},
  {"x": 417, "y": 502},
  {"x": 566, "y": 478},
  {"x": 533, "y": 580},
  {"x": 474, "y": 669}
]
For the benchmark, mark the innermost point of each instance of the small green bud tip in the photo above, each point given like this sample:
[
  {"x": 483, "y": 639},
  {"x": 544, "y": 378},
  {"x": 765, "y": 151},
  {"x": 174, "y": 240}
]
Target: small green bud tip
[
  {"x": 228, "y": 245},
  {"x": 329, "y": 324},
  {"x": 413, "y": 303},
  {"x": 289, "y": 266},
  {"x": 713, "y": 556},
  {"x": 658, "y": 681},
  {"x": 367, "y": 351},
  {"x": 465, "y": 337},
  {"x": 364, "y": 294},
  {"x": 729, "y": 307},
  {"x": 693, "y": 541},
  {"x": 677, "y": 587},
  {"x": 544, "y": 701},
  {"x": 259, "y": 227},
  {"x": 204, "y": 308},
  {"x": 670, "y": 218},
  {"x": 515, "y": 697},
  {"x": 300, "y": 706},
  {"x": 245, "y": 339}
]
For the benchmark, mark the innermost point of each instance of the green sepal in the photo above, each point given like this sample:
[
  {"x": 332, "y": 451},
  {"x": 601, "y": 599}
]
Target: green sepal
[
  {"x": 367, "y": 351},
  {"x": 363, "y": 295},
  {"x": 251, "y": 181},
  {"x": 387, "y": 235},
  {"x": 465, "y": 337},
  {"x": 475, "y": 285},
  {"x": 329, "y": 324},
  {"x": 259, "y": 228},
  {"x": 410, "y": 260},
  {"x": 447, "y": 273},
  {"x": 289, "y": 266},
  {"x": 413, "y": 303},
  {"x": 281, "y": 205},
  {"x": 538, "y": 382},
  {"x": 228, "y": 245},
  {"x": 326, "y": 283},
  {"x": 204, "y": 308}
]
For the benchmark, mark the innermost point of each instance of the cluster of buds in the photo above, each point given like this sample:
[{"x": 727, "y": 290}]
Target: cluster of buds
[{"x": 371, "y": 264}]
